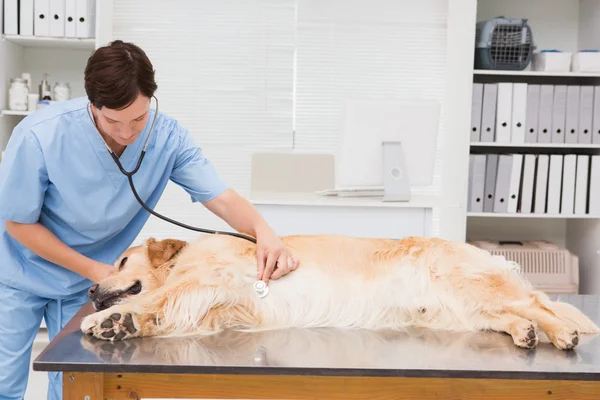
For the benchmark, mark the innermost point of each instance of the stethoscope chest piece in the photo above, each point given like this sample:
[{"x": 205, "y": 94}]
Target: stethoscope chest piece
[{"x": 261, "y": 289}]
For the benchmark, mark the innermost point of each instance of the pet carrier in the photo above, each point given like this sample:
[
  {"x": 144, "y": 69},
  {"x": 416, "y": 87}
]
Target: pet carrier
[
  {"x": 545, "y": 265},
  {"x": 503, "y": 44}
]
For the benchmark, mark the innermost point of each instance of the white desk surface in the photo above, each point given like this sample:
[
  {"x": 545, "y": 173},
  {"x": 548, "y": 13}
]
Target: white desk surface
[{"x": 312, "y": 199}]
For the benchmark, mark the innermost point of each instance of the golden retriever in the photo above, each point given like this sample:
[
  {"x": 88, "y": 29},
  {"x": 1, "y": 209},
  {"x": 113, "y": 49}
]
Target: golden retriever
[{"x": 174, "y": 288}]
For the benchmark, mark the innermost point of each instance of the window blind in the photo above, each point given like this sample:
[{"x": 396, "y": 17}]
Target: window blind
[
  {"x": 245, "y": 75},
  {"x": 225, "y": 70}
]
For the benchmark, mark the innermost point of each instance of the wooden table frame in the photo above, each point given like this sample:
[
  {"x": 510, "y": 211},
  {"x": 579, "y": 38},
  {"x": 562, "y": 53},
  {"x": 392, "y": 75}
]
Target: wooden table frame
[{"x": 117, "y": 386}]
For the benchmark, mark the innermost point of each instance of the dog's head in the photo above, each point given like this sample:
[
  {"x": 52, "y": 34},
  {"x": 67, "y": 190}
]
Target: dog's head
[{"x": 139, "y": 269}]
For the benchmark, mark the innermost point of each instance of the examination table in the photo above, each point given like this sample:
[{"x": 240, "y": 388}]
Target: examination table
[{"x": 325, "y": 364}]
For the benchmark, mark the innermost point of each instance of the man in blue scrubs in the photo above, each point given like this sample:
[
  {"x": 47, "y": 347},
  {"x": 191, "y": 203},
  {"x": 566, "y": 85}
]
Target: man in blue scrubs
[{"x": 67, "y": 211}]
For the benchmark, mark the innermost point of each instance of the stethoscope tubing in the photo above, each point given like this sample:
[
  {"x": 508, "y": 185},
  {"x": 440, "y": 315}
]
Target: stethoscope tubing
[{"x": 129, "y": 175}]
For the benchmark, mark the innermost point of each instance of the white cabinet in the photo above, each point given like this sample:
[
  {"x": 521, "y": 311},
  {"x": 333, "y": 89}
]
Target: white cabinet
[
  {"x": 568, "y": 26},
  {"x": 62, "y": 58}
]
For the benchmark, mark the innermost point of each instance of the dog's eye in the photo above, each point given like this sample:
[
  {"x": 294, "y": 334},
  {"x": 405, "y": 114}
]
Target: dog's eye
[
  {"x": 123, "y": 261},
  {"x": 136, "y": 288}
]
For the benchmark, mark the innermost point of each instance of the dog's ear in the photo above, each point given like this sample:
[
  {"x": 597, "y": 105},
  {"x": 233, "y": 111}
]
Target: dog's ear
[{"x": 159, "y": 252}]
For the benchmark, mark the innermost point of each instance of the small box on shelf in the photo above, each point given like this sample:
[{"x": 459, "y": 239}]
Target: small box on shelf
[
  {"x": 551, "y": 61},
  {"x": 586, "y": 61}
]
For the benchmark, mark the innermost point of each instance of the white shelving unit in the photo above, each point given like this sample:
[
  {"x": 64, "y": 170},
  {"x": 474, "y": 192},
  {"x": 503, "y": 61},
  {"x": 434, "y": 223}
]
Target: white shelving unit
[
  {"x": 62, "y": 58},
  {"x": 566, "y": 25}
]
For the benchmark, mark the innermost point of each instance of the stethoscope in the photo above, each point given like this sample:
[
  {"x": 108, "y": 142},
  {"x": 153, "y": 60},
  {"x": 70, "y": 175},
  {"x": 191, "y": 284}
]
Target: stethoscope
[{"x": 129, "y": 176}]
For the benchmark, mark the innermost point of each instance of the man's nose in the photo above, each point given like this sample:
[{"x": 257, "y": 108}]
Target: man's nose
[{"x": 92, "y": 291}]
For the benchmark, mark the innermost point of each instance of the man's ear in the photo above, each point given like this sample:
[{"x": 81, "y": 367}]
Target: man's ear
[{"x": 162, "y": 251}]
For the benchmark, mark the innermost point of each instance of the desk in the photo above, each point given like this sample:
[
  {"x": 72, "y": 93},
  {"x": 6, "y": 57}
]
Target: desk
[
  {"x": 308, "y": 213},
  {"x": 325, "y": 364}
]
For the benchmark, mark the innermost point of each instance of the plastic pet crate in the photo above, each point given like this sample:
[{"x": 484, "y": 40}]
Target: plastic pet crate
[
  {"x": 547, "y": 266},
  {"x": 503, "y": 44}
]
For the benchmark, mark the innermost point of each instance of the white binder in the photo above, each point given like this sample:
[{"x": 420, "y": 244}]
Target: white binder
[
  {"x": 41, "y": 23},
  {"x": 514, "y": 183},
  {"x": 532, "y": 111},
  {"x": 559, "y": 109},
  {"x": 26, "y": 18},
  {"x": 586, "y": 113},
  {"x": 567, "y": 205},
  {"x": 70, "y": 18},
  {"x": 488, "y": 112},
  {"x": 57, "y": 15},
  {"x": 545, "y": 114},
  {"x": 476, "y": 182},
  {"x": 595, "y": 185},
  {"x": 581, "y": 184},
  {"x": 491, "y": 168},
  {"x": 526, "y": 204},
  {"x": 501, "y": 192},
  {"x": 572, "y": 114},
  {"x": 476, "y": 107},
  {"x": 504, "y": 112},
  {"x": 596, "y": 117},
  {"x": 519, "y": 112},
  {"x": 541, "y": 184},
  {"x": 11, "y": 17},
  {"x": 86, "y": 16},
  {"x": 554, "y": 183}
]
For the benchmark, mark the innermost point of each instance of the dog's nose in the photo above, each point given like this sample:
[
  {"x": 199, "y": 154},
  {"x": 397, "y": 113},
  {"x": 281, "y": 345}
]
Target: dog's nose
[{"x": 92, "y": 291}]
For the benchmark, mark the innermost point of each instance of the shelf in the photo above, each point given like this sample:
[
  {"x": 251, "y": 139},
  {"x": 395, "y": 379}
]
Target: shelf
[
  {"x": 537, "y": 145},
  {"x": 311, "y": 199},
  {"x": 52, "y": 42},
  {"x": 538, "y": 73},
  {"x": 10, "y": 112},
  {"x": 531, "y": 215}
]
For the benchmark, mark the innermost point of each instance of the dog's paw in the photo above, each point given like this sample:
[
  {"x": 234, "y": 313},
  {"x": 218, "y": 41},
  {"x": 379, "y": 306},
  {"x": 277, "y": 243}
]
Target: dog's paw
[
  {"x": 111, "y": 325},
  {"x": 526, "y": 337},
  {"x": 564, "y": 339}
]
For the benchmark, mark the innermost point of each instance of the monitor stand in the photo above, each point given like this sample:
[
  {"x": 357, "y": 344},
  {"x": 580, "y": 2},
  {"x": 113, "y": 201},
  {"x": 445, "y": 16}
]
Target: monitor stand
[{"x": 396, "y": 182}]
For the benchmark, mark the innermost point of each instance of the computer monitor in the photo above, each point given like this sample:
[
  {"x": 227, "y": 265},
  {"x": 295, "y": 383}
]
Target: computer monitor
[{"x": 367, "y": 124}]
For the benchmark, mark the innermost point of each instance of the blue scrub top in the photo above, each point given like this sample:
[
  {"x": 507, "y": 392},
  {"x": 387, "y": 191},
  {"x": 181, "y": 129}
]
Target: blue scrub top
[{"x": 57, "y": 170}]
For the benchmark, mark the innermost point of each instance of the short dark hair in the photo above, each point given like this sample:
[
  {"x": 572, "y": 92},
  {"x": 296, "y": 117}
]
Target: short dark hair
[{"x": 117, "y": 73}]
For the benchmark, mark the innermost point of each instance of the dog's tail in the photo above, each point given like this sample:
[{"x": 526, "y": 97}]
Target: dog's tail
[{"x": 574, "y": 317}]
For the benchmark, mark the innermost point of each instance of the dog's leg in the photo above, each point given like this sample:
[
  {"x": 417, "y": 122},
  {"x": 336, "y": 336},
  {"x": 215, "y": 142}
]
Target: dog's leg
[
  {"x": 522, "y": 331},
  {"x": 178, "y": 308},
  {"x": 562, "y": 334},
  {"x": 119, "y": 322}
]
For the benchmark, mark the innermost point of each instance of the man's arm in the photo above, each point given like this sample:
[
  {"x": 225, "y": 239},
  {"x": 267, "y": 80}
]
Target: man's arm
[
  {"x": 23, "y": 183},
  {"x": 37, "y": 238},
  {"x": 197, "y": 176},
  {"x": 242, "y": 216}
]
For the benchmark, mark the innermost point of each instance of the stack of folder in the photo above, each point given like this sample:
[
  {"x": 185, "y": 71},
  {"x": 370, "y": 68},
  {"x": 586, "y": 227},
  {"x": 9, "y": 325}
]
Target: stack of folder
[
  {"x": 507, "y": 112},
  {"x": 53, "y": 18},
  {"x": 557, "y": 184}
]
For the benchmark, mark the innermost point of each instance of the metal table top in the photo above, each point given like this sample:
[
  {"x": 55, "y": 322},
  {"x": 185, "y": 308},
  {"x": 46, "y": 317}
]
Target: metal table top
[{"x": 324, "y": 351}]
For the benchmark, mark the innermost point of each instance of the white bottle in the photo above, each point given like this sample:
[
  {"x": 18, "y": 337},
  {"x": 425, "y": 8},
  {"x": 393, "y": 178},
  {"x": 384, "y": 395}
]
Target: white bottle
[
  {"x": 17, "y": 94},
  {"x": 62, "y": 91}
]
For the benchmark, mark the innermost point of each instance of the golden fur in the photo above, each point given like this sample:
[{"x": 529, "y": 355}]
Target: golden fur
[{"x": 174, "y": 288}]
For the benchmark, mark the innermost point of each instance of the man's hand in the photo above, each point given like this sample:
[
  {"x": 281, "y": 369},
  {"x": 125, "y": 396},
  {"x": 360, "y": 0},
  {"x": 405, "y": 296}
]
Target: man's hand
[
  {"x": 274, "y": 259},
  {"x": 243, "y": 217}
]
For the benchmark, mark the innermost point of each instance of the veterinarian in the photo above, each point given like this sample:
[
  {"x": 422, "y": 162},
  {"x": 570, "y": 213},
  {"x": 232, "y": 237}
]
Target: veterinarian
[{"x": 68, "y": 212}]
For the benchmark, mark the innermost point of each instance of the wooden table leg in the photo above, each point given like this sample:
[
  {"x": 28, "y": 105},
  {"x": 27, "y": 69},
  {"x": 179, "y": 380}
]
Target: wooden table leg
[{"x": 83, "y": 386}]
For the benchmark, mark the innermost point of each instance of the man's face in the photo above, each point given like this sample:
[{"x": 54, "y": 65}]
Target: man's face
[{"x": 124, "y": 126}]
